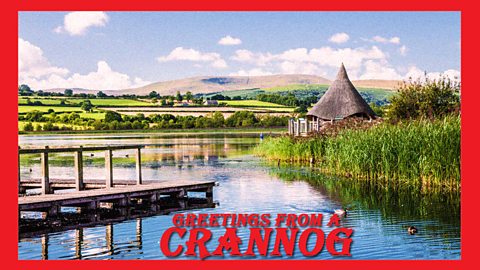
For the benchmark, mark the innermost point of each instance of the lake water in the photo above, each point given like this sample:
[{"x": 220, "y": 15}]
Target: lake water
[{"x": 379, "y": 216}]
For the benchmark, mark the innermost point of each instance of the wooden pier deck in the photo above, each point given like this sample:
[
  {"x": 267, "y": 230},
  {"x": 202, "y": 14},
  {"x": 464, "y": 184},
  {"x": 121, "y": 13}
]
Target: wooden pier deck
[
  {"x": 120, "y": 196},
  {"x": 92, "y": 194},
  {"x": 57, "y": 184}
]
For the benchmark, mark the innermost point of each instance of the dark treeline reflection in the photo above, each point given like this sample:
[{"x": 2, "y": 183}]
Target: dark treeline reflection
[{"x": 403, "y": 202}]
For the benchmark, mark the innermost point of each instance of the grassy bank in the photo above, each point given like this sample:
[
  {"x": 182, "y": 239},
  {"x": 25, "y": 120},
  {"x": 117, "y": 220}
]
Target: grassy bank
[{"x": 419, "y": 152}]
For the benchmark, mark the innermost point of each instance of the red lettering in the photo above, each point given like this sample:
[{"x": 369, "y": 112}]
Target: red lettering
[
  {"x": 257, "y": 239},
  {"x": 288, "y": 243},
  {"x": 333, "y": 237},
  {"x": 194, "y": 241},
  {"x": 165, "y": 241},
  {"x": 229, "y": 241},
  {"x": 302, "y": 244},
  {"x": 334, "y": 220}
]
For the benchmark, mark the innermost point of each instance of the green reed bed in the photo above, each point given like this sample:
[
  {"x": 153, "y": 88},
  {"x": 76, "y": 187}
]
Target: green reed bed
[{"x": 421, "y": 152}]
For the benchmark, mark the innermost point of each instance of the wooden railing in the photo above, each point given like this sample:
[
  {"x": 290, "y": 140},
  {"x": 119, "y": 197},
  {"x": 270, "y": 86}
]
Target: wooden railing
[{"x": 78, "y": 160}]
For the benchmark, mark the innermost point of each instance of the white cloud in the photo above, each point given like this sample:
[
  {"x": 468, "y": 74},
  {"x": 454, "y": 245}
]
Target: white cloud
[
  {"x": 35, "y": 70},
  {"x": 403, "y": 50},
  {"x": 379, "y": 70},
  {"x": 77, "y": 23},
  {"x": 339, "y": 38},
  {"x": 415, "y": 73},
  {"x": 321, "y": 61},
  {"x": 380, "y": 39},
  {"x": 32, "y": 62},
  {"x": 323, "y": 56},
  {"x": 288, "y": 67},
  {"x": 229, "y": 41},
  {"x": 251, "y": 72},
  {"x": 246, "y": 56},
  {"x": 184, "y": 54},
  {"x": 361, "y": 62}
]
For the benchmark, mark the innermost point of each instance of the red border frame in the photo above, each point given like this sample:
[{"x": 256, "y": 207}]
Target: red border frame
[{"x": 9, "y": 226}]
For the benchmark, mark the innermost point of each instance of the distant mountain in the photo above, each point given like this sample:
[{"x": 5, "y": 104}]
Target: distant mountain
[
  {"x": 384, "y": 84},
  {"x": 223, "y": 83}
]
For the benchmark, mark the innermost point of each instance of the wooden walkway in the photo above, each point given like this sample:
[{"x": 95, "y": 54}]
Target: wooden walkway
[
  {"x": 120, "y": 196},
  {"x": 57, "y": 184},
  {"x": 93, "y": 194}
]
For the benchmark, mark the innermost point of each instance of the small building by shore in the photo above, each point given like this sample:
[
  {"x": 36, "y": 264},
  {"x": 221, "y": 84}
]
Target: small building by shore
[
  {"x": 210, "y": 103},
  {"x": 342, "y": 100}
]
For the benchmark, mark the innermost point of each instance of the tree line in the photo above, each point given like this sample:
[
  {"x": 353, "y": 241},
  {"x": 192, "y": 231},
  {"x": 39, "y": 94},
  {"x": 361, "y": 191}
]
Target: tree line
[{"x": 115, "y": 121}]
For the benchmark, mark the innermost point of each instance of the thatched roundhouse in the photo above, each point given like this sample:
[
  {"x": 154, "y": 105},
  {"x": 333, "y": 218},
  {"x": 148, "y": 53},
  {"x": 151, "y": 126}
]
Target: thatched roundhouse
[{"x": 340, "y": 101}]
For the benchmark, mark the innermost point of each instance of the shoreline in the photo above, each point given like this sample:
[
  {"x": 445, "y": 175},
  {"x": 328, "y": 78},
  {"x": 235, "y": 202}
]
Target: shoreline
[{"x": 273, "y": 130}]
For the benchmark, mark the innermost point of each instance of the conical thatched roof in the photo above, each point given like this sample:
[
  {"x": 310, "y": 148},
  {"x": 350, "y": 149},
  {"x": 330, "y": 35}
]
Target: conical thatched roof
[{"x": 341, "y": 100}]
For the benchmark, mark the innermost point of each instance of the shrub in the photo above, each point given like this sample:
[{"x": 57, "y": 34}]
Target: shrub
[{"x": 425, "y": 99}]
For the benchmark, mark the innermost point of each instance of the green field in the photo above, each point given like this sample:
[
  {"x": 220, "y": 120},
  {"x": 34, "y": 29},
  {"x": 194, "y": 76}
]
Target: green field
[
  {"x": 45, "y": 101},
  {"x": 251, "y": 103},
  {"x": 26, "y": 109},
  {"x": 245, "y": 93},
  {"x": 96, "y": 116},
  {"x": 378, "y": 93},
  {"x": 107, "y": 102},
  {"x": 112, "y": 102}
]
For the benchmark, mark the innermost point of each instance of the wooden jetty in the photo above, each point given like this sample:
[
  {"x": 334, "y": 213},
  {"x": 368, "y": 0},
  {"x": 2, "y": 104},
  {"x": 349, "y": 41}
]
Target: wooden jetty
[{"x": 90, "y": 194}]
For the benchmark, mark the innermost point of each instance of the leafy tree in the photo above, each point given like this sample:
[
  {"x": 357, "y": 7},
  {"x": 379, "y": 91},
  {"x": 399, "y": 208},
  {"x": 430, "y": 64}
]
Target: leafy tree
[
  {"x": 68, "y": 92},
  {"x": 189, "y": 96},
  {"x": 425, "y": 99},
  {"x": 301, "y": 109},
  {"x": 24, "y": 90},
  {"x": 87, "y": 105},
  {"x": 28, "y": 126},
  {"x": 179, "y": 97},
  {"x": 34, "y": 116},
  {"x": 73, "y": 116},
  {"x": 218, "y": 119},
  {"x": 153, "y": 94},
  {"x": 111, "y": 116},
  {"x": 378, "y": 110},
  {"x": 100, "y": 94}
]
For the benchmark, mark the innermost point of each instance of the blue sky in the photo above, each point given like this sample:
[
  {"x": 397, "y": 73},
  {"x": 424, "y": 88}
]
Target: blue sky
[{"x": 116, "y": 50}]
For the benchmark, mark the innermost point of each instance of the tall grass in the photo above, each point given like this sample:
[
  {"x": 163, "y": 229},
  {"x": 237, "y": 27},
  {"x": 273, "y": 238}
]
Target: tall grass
[{"x": 420, "y": 152}]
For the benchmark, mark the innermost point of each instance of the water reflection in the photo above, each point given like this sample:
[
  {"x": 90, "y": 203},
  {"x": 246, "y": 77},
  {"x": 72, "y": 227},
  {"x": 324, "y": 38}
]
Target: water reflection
[
  {"x": 29, "y": 229},
  {"x": 379, "y": 214},
  {"x": 406, "y": 202}
]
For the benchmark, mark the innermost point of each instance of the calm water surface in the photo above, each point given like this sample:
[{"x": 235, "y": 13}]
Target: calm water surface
[{"x": 379, "y": 216}]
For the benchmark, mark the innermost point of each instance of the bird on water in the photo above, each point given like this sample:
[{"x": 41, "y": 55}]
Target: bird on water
[
  {"x": 341, "y": 212},
  {"x": 412, "y": 230}
]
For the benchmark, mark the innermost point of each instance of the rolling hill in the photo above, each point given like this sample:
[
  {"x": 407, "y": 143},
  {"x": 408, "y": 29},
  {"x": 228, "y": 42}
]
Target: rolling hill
[{"x": 215, "y": 84}]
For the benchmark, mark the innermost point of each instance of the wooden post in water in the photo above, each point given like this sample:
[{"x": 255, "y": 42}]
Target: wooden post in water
[
  {"x": 45, "y": 247},
  {"x": 108, "y": 168},
  {"x": 138, "y": 161},
  {"x": 109, "y": 238},
  {"x": 79, "y": 170},
  {"x": 45, "y": 174},
  {"x": 139, "y": 233},
  {"x": 78, "y": 243}
]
